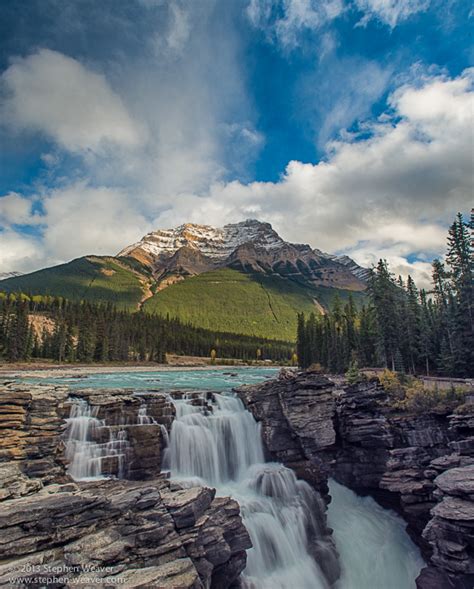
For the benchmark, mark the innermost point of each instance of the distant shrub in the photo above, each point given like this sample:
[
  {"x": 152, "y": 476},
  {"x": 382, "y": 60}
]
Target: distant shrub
[
  {"x": 412, "y": 395},
  {"x": 354, "y": 375},
  {"x": 391, "y": 383}
]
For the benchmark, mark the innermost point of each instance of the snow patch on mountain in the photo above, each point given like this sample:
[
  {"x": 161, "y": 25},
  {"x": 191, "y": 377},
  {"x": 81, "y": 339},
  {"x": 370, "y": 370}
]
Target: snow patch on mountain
[
  {"x": 214, "y": 242},
  {"x": 221, "y": 244}
]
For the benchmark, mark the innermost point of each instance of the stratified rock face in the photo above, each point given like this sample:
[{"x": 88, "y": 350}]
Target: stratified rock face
[
  {"x": 419, "y": 464},
  {"x": 140, "y": 531},
  {"x": 249, "y": 246},
  {"x": 298, "y": 422},
  {"x": 30, "y": 438},
  {"x": 450, "y": 532}
]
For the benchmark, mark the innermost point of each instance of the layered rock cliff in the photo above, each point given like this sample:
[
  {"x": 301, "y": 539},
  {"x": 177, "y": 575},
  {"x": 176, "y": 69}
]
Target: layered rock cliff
[
  {"x": 137, "y": 531},
  {"x": 418, "y": 464}
]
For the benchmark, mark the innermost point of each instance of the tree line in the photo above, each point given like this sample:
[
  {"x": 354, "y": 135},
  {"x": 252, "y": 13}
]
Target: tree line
[
  {"x": 401, "y": 327},
  {"x": 35, "y": 327}
]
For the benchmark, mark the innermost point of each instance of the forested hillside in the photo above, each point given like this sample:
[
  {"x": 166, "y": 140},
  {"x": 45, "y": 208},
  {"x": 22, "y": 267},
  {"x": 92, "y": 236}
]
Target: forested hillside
[
  {"x": 251, "y": 304},
  {"x": 65, "y": 331}
]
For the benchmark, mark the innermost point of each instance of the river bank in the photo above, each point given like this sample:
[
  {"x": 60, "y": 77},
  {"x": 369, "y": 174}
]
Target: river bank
[{"x": 48, "y": 371}]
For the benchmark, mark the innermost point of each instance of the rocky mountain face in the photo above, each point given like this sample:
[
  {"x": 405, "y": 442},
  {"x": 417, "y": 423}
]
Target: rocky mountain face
[
  {"x": 421, "y": 465},
  {"x": 249, "y": 246}
]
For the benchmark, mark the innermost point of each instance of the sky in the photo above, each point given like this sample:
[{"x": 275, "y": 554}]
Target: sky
[{"x": 347, "y": 124}]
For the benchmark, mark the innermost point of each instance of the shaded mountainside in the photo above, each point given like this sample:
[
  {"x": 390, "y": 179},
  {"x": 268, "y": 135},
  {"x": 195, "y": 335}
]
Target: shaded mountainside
[
  {"x": 92, "y": 278},
  {"x": 242, "y": 278}
]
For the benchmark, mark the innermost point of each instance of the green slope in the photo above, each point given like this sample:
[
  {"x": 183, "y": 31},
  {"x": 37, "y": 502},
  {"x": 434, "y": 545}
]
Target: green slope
[
  {"x": 224, "y": 300},
  {"x": 96, "y": 279},
  {"x": 251, "y": 304}
]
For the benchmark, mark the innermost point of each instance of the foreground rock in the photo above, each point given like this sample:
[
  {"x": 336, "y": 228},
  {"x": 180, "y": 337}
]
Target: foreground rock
[
  {"x": 133, "y": 532},
  {"x": 418, "y": 464},
  {"x": 115, "y": 533}
]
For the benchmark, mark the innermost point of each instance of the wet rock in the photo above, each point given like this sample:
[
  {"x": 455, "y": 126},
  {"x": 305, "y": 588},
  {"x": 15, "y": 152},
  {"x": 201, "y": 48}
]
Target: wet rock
[{"x": 297, "y": 414}]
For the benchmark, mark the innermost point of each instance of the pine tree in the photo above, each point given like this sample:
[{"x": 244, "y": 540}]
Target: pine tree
[{"x": 460, "y": 259}]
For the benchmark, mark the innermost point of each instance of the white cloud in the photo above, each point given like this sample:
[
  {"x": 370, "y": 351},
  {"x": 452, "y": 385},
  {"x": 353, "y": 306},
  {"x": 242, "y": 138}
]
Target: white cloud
[
  {"x": 285, "y": 20},
  {"x": 391, "y": 194},
  {"x": 390, "y": 12},
  {"x": 51, "y": 93},
  {"x": 89, "y": 220},
  {"x": 329, "y": 106},
  {"x": 15, "y": 210},
  {"x": 18, "y": 251},
  {"x": 179, "y": 30}
]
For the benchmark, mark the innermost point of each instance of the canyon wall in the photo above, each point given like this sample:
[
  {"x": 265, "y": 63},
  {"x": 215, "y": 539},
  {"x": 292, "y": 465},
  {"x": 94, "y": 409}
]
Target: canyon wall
[{"x": 420, "y": 464}]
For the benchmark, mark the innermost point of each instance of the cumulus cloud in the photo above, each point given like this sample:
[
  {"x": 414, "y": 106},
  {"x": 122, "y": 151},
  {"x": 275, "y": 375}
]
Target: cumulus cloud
[
  {"x": 390, "y": 194},
  {"x": 54, "y": 94},
  {"x": 19, "y": 252},
  {"x": 390, "y": 12},
  {"x": 15, "y": 210},
  {"x": 85, "y": 220}
]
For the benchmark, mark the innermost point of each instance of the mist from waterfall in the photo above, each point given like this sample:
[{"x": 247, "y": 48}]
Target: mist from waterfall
[{"x": 218, "y": 443}]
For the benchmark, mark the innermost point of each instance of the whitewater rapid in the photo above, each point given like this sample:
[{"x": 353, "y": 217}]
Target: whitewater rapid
[{"x": 215, "y": 441}]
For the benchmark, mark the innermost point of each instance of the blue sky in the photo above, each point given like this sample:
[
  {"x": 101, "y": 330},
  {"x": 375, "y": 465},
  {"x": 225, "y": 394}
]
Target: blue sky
[{"x": 347, "y": 124}]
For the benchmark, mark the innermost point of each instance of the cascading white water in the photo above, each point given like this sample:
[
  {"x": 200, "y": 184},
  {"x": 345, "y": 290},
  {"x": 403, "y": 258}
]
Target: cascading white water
[
  {"x": 87, "y": 457},
  {"x": 143, "y": 417},
  {"x": 375, "y": 550},
  {"x": 218, "y": 443}
]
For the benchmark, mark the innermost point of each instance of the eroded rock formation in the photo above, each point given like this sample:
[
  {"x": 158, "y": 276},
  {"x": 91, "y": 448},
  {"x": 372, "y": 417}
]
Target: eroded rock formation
[
  {"x": 146, "y": 532},
  {"x": 419, "y": 464}
]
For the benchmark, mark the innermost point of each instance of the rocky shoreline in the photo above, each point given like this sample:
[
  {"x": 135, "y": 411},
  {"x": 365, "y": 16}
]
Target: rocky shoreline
[
  {"x": 421, "y": 465},
  {"x": 144, "y": 531}
]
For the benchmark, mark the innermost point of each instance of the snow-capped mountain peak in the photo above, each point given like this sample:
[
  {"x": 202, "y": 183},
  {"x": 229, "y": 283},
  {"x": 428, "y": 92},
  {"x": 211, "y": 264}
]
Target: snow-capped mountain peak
[
  {"x": 214, "y": 242},
  {"x": 248, "y": 246}
]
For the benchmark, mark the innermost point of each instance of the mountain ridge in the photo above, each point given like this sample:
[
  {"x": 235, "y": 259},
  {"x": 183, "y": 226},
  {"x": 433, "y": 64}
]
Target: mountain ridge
[
  {"x": 249, "y": 245},
  {"x": 242, "y": 278}
]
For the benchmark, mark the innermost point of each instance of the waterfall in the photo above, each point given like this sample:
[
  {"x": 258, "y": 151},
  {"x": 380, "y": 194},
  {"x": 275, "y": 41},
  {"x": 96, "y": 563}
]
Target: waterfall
[
  {"x": 88, "y": 455},
  {"x": 217, "y": 442},
  {"x": 143, "y": 417},
  {"x": 374, "y": 548}
]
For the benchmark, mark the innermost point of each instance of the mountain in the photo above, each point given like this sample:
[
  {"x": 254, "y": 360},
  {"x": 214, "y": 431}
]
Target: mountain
[
  {"x": 249, "y": 246},
  {"x": 241, "y": 278},
  {"x": 358, "y": 271}
]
